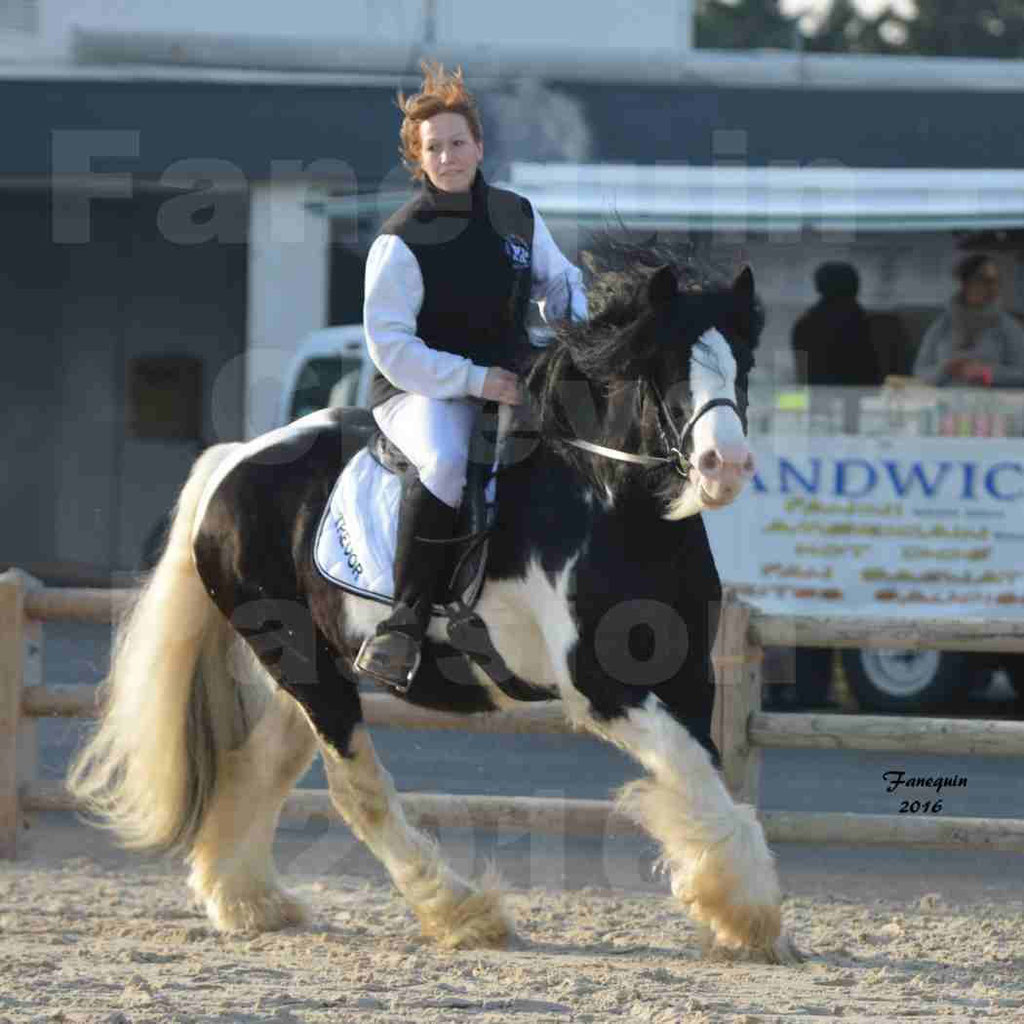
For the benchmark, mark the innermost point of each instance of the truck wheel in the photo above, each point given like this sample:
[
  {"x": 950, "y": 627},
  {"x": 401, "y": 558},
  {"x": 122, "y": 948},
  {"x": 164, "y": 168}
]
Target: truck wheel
[{"x": 907, "y": 680}]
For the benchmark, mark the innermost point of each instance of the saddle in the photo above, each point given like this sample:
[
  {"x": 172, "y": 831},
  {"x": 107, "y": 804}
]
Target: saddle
[{"x": 356, "y": 539}]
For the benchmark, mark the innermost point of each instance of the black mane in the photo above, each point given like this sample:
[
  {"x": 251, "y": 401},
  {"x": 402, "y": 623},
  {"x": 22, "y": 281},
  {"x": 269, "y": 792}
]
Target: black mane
[{"x": 591, "y": 381}]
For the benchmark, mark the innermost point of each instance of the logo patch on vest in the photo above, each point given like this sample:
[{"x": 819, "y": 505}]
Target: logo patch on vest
[{"x": 517, "y": 251}]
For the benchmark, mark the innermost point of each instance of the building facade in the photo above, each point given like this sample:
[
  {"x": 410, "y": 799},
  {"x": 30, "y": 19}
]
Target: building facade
[{"x": 187, "y": 191}]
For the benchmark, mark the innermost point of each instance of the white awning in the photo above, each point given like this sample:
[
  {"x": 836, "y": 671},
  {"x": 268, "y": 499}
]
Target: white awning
[
  {"x": 772, "y": 199},
  {"x": 769, "y": 200}
]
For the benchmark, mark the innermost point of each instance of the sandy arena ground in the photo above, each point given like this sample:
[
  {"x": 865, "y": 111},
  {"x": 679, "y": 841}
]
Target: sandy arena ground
[{"x": 90, "y": 934}]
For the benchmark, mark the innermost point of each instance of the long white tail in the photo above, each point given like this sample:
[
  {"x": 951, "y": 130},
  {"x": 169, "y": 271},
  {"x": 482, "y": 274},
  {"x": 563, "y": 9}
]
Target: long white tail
[{"x": 170, "y": 704}]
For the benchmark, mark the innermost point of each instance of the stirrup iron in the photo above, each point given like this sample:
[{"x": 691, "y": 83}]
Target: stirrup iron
[{"x": 391, "y": 658}]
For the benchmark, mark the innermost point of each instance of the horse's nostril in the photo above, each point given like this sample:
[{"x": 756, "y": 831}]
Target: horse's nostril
[{"x": 709, "y": 462}]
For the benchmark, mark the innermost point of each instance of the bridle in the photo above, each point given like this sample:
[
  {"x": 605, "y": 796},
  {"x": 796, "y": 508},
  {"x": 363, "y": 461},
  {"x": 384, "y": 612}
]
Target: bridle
[
  {"x": 673, "y": 439},
  {"x": 666, "y": 428}
]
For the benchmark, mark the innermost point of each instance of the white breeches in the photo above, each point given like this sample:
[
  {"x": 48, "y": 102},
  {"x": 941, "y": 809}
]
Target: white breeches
[{"x": 434, "y": 435}]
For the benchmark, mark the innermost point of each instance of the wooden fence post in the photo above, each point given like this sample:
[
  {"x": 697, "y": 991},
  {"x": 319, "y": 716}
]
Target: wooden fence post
[
  {"x": 737, "y": 664},
  {"x": 13, "y": 585},
  {"x": 32, "y": 675}
]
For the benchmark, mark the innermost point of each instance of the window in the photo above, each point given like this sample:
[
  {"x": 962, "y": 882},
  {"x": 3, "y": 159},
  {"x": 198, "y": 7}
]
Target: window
[
  {"x": 165, "y": 398},
  {"x": 316, "y": 382}
]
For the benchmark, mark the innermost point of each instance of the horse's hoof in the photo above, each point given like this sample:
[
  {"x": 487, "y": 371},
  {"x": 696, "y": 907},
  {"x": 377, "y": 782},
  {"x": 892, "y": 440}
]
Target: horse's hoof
[
  {"x": 784, "y": 951},
  {"x": 266, "y": 912},
  {"x": 781, "y": 950},
  {"x": 479, "y": 922},
  {"x": 473, "y": 918}
]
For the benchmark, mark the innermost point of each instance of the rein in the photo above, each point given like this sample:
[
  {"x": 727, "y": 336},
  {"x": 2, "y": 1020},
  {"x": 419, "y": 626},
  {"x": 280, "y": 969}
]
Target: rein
[
  {"x": 666, "y": 427},
  {"x": 676, "y": 452}
]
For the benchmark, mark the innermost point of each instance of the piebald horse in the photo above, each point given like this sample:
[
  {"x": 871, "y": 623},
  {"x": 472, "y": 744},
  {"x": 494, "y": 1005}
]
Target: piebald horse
[{"x": 235, "y": 664}]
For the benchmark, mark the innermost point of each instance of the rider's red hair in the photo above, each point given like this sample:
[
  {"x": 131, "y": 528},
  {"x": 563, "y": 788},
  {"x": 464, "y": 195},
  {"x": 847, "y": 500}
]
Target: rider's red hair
[{"x": 442, "y": 92}]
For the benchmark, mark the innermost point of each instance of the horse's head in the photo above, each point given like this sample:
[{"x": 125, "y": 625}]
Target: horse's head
[
  {"x": 701, "y": 359},
  {"x": 663, "y": 363}
]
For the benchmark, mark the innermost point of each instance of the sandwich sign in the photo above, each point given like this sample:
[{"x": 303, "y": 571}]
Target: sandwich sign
[{"x": 924, "y": 526}]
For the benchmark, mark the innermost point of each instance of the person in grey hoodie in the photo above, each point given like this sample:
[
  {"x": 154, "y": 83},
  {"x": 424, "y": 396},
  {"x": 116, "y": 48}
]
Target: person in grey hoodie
[{"x": 974, "y": 342}]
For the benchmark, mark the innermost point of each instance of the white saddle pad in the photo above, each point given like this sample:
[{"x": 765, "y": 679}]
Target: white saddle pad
[{"x": 357, "y": 537}]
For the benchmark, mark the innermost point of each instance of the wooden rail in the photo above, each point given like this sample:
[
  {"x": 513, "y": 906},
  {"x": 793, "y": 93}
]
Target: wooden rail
[
  {"x": 862, "y": 631},
  {"x": 741, "y": 729},
  {"x": 558, "y": 816},
  {"x": 952, "y": 736},
  {"x": 75, "y": 604},
  {"x": 378, "y": 709}
]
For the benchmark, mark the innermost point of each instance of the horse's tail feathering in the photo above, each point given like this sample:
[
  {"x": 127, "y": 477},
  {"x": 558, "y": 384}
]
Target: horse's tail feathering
[{"x": 169, "y": 704}]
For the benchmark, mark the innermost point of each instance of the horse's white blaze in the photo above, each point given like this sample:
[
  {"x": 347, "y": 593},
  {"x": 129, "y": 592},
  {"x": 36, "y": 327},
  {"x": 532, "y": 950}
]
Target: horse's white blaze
[
  {"x": 713, "y": 375},
  {"x": 451, "y": 911},
  {"x": 721, "y": 459},
  {"x": 714, "y": 849}
]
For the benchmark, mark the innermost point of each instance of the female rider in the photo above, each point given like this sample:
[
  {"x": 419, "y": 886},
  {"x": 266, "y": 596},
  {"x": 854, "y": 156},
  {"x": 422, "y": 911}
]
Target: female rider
[{"x": 448, "y": 283}]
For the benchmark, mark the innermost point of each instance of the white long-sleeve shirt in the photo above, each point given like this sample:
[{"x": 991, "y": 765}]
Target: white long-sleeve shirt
[{"x": 394, "y": 296}]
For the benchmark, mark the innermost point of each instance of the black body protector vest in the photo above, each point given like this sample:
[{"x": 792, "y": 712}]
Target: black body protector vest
[{"x": 474, "y": 250}]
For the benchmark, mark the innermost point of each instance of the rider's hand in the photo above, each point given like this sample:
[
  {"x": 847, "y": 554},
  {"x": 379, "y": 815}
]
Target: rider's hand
[{"x": 501, "y": 386}]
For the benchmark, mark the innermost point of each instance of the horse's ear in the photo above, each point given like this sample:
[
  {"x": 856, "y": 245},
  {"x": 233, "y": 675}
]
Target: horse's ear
[
  {"x": 743, "y": 286},
  {"x": 662, "y": 287}
]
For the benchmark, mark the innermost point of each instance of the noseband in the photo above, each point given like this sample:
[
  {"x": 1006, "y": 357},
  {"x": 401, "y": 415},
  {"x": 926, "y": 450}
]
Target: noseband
[{"x": 676, "y": 456}]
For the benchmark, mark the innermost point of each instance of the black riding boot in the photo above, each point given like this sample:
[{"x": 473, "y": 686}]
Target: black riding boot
[{"x": 392, "y": 655}]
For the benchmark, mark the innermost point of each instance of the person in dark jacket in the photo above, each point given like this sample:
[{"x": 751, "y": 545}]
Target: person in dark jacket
[
  {"x": 832, "y": 347},
  {"x": 831, "y": 341},
  {"x": 448, "y": 284}
]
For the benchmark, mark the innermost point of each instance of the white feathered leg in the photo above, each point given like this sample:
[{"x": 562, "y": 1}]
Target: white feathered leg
[
  {"x": 452, "y": 912},
  {"x": 714, "y": 849},
  {"x": 233, "y": 873}
]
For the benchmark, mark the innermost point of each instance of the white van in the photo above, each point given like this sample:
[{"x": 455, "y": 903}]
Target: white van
[{"x": 331, "y": 367}]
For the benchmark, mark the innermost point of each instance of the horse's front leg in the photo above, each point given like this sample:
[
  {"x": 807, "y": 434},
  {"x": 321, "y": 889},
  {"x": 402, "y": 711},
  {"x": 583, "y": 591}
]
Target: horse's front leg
[
  {"x": 714, "y": 849},
  {"x": 452, "y": 912}
]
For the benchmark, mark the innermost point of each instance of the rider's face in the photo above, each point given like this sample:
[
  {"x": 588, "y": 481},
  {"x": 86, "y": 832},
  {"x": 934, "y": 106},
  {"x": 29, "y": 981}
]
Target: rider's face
[{"x": 450, "y": 155}]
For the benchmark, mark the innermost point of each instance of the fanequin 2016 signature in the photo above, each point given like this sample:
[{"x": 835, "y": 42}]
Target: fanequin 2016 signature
[{"x": 895, "y": 778}]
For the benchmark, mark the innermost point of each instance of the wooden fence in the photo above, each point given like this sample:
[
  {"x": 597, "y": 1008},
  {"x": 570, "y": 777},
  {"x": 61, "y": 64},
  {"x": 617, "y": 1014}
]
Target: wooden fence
[{"x": 741, "y": 729}]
